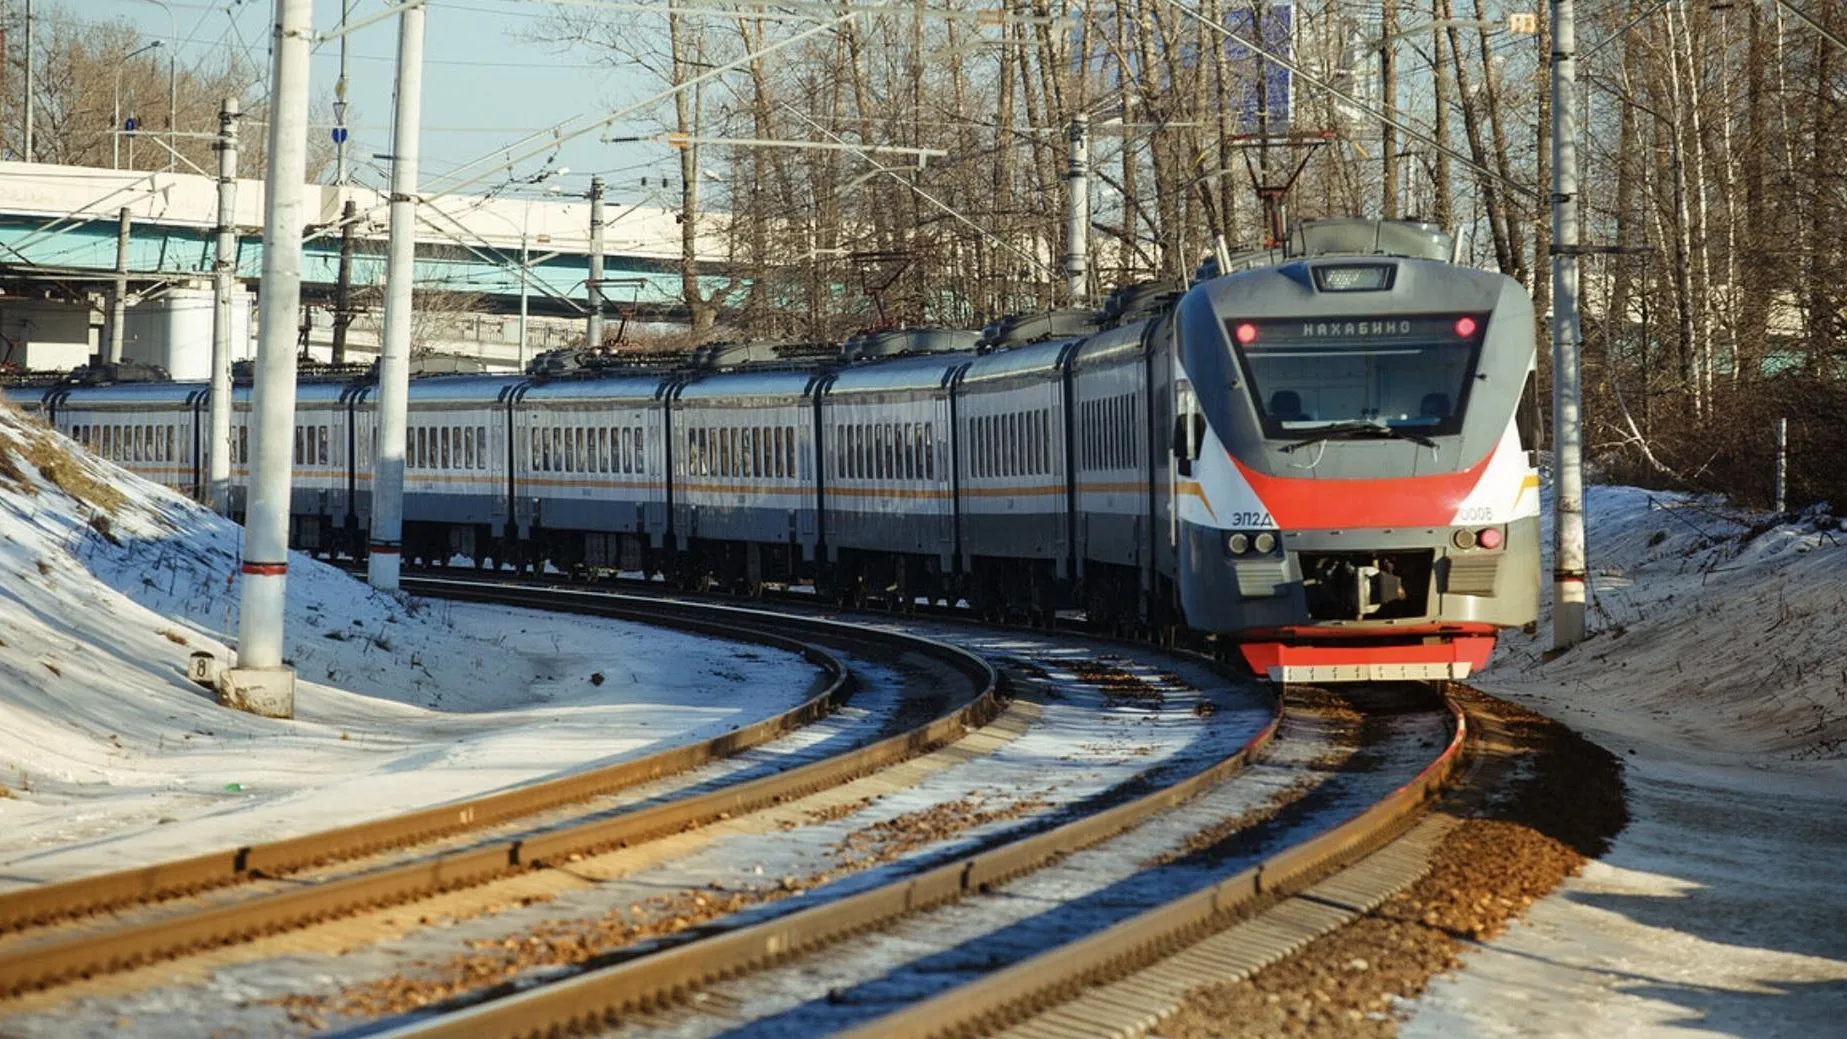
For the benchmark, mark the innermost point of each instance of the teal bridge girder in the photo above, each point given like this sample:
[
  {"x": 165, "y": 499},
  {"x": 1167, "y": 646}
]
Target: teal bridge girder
[{"x": 557, "y": 282}]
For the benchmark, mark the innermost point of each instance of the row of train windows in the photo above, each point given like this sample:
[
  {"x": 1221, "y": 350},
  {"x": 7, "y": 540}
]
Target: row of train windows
[
  {"x": 749, "y": 452},
  {"x": 311, "y": 446},
  {"x": 128, "y": 443},
  {"x": 602, "y": 449},
  {"x": 1110, "y": 431},
  {"x": 885, "y": 451},
  {"x": 445, "y": 447},
  {"x": 1018, "y": 443}
]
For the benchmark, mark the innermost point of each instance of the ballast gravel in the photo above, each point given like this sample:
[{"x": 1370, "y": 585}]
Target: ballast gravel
[{"x": 1561, "y": 802}]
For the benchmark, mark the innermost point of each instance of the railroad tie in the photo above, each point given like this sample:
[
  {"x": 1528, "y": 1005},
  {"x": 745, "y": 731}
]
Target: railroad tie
[{"x": 1133, "y": 1005}]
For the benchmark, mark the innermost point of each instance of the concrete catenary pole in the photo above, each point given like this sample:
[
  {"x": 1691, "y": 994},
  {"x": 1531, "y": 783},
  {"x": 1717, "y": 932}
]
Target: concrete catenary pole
[
  {"x": 1782, "y": 464},
  {"x": 118, "y": 295},
  {"x": 31, "y": 79},
  {"x": 593, "y": 332},
  {"x": 343, "y": 280},
  {"x": 1388, "y": 107},
  {"x": 260, "y": 683},
  {"x": 1568, "y": 564},
  {"x": 224, "y": 284},
  {"x": 1077, "y": 212},
  {"x": 385, "y": 551}
]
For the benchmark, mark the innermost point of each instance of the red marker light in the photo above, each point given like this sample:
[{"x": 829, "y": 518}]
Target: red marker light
[
  {"x": 1489, "y": 537},
  {"x": 1465, "y": 327},
  {"x": 1247, "y": 333}
]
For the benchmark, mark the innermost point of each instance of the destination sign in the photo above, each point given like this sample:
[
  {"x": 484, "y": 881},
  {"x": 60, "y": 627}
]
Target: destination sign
[{"x": 1432, "y": 329}]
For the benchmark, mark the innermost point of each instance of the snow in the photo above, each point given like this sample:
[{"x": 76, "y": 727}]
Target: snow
[
  {"x": 1718, "y": 672},
  {"x": 110, "y": 757}
]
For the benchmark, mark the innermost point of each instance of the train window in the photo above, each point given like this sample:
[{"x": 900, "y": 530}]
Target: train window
[
  {"x": 1526, "y": 419},
  {"x": 777, "y": 469},
  {"x": 600, "y": 461},
  {"x": 243, "y": 445},
  {"x": 978, "y": 446},
  {"x": 788, "y": 450},
  {"x": 465, "y": 437},
  {"x": 557, "y": 465},
  {"x": 591, "y": 456},
  {"x": 929, "y": 450},
  {"x": 585, "y": 463},
  {"x": 888, "y": 450},
  {"x": 573, "y": 443},
  {"x": 641, "y": 454},
  {"x": 623, "y": 449},
  {"x": 439, "y": 447},
  {"x": 753, "y": 458},
  {"x": 545, "y": 450},
  {"x": 322, "y": 437}
]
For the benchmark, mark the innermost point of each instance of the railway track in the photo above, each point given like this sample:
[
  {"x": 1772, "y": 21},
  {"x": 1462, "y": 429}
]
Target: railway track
[
  {"x": 780, "y": 976},
  {"x": 49, "y": 934},
  {"x": 681, "y": 986}
]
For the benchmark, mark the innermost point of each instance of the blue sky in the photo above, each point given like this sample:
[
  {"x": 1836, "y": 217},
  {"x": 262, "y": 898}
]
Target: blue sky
[{"x": 486, "y": 84}]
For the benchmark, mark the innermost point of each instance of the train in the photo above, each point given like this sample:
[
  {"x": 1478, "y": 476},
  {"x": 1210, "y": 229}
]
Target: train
[{"x": 1322, "y": 455}]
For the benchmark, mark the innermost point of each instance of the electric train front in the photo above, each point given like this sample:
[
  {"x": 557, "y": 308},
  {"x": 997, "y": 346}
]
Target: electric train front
[{"x": 1355, "y": 497}]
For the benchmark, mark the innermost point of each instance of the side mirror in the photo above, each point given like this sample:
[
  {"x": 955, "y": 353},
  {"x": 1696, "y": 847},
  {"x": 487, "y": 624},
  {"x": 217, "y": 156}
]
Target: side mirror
[{"x": 1187, "y": 441}]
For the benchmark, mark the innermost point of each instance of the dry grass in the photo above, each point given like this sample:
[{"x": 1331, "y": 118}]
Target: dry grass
[
  {"x": 6, "y": 792},
  {"x": 174, "y": 637},
  {"x": 57, "y": 461}
]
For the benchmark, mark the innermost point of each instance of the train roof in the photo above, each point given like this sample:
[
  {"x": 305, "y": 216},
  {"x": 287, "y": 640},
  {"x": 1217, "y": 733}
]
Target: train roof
[
  {"x": 920, "y": 373},
  {"x": 1033, "y": 357},
  {"x": 449, "y": 389},
  {"x": 1110, "y": 344},
  {"x": 746, "y": 382},
  {"x": 127, "y": 394},
  {"x": 637, "y": 385},
  {"x": 1418, "y": 286}
]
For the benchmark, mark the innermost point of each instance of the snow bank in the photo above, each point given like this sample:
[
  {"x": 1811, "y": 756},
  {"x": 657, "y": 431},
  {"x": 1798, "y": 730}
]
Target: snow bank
[
  {"x": 110, "y": 583},
  {"x": 1716, "y": 633}
]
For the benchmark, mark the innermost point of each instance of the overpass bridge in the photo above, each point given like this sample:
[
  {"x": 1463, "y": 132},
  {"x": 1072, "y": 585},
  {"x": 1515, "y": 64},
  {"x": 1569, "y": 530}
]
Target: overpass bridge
[{"x": 58, "y": 243}]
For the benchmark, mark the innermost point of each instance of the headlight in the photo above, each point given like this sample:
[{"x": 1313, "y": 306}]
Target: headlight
[
  {"x": 1265, "y": 541},
  {"x": 1464, "y": 538},
  {"x": 1238, "y": 544}
]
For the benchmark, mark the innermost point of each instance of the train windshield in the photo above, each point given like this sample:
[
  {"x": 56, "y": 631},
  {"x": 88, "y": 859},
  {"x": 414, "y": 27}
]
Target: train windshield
[{"x": 1396, "y": 375}]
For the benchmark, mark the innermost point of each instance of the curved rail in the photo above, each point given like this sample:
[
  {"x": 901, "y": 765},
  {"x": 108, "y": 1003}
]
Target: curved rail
[
  {"x": 105, "y": 891},
  {"x": 1052, "y": 976},
  {"x": 38, "y": 965},
  {"x": 639, "y": 983}
]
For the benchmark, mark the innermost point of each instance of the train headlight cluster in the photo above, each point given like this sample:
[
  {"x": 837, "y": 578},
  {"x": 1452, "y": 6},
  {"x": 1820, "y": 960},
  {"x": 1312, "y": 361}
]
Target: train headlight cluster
[
  {"x": 1261, "y": 543},
  {"x": 1487, "y": 537}
]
